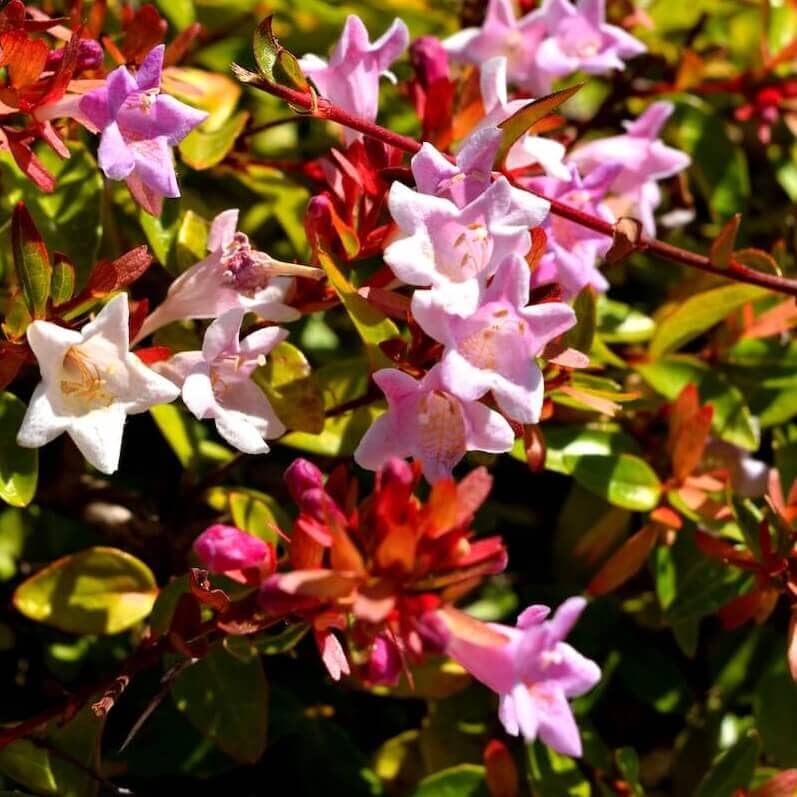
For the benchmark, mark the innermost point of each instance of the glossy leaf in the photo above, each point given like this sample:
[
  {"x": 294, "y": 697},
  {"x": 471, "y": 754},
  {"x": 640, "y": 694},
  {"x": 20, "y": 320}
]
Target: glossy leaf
[
  {"x": 204, "y": 148},
  {"x": 733, "y": 770},
  {"x": 625, "y": 562},
  {"x": 19, "y": 467},
  {"x": 722, "y": 246},
  {"x": 465, "y": 780},
  {"x": 624, "y": 480},
  {"x": 524, "y": 119},
  {"x": 698, "y": 314},
  {"x": 97, "y": 591},
  {"x": 226, "y": 699},
  {"x": 32, "y": 261}
]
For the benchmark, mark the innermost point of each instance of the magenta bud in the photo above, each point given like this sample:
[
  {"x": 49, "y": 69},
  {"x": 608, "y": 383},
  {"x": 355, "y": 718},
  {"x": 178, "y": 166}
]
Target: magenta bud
[
  {"x": 302, "y": 476},
  {"x": 396, "y": 471},
  {"x": 384, "y": 665},
  {"x": 429, "y": 59},
  {"x": 223, "y": 548},
  {"x": 89, "y": 56}
]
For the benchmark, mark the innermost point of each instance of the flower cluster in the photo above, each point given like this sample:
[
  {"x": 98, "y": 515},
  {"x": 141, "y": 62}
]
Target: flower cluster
[{"x": 375, "y": 582}]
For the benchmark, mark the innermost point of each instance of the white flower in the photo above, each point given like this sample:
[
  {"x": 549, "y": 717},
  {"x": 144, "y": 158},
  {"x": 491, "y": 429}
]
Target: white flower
[
  {"x": 90, "y": 383},
  {"x": 216, "y": 382}
]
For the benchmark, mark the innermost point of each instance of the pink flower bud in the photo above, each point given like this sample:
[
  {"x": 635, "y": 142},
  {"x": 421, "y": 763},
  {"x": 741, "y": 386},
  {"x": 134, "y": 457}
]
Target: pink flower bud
[
  {"x": 223, "y": 548},
  {"x": 384, "y": 665},
  {"x": 429, "y": 59},
  {"x": 302, "y": 476},
  {"x": 396, "y": 471}
]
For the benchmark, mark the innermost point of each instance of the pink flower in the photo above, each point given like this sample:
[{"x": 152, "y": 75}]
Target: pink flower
[
  {"x": 578, "y": 38},
  {"x": 530, "y": 667},
  {"x": 456, "y": 250},
  {"x": 216, "y": 382},
  {"x": 233, "y": 276},
  {"x": 644, "y": 160},
  {"x": 351, "y": 78},
  {"x": 139, "y": 126},
  {"x": 528, "y": 149},
  {"x": 223, "y": 549},
  {"x": 573, "y": 251},
  {"x": 428, "y": 423},
  {"x": 465, "y": 180},
  {"x": 502, "y": 34},
  {"x": 494, "y": 349}
]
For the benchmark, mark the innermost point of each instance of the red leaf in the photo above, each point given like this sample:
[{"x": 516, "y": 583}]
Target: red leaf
[
  {"x": 108, "y": 277},
  {"x": 500, "y": 770},
  {"x": 690, "y": 442},
  {"x": 625, "y": 562},
  {"x": 784, "y": 784},
  {"x": 12, "y": 358},
  {"x": 201, "y": 589},
  {"x": 153, "y": 354}
]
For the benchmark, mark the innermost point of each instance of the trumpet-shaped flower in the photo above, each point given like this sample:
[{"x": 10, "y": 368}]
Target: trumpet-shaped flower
[
  {"x": 530, "y": 667},
  {"x": 427, "y": 422},
  {"x": 233, "y": 276},
  {"x": 573, "y": 251},
  {"x": 90, "y": 383},
  {"x": 351, "y": 78},
  {"x": 465, "y": 180},
  {"x": 578, "y": 38},
  {"x": 528, "y": 149},
  {"x": 456, "y": 250},
  {"x": 216, "y": 382},
  {"x": 139, "y": 126},
  {"x": 502, "y": 34},
  {"x": 644, "y": 160},
  {"x": 494, "y": 349}
]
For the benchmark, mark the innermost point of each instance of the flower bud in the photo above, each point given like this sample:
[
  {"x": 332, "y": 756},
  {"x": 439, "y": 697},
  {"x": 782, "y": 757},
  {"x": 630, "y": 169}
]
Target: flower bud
[
  {"x": 384, "y": 664},
  {"x": 302, "y": 476},
  {"x": 429, "y": 59},
  {"x": 223, "y": 548}
]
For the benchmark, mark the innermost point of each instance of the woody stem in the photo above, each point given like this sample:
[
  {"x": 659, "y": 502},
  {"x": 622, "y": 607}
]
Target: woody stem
[{"x": 322, "y": 108}]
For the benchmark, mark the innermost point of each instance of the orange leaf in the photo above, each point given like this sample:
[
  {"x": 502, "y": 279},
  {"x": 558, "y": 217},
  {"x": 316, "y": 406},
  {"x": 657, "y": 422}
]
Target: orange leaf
[
  {"x": 500, "y": 770},
  {"x": 690, "y": 442},
  {"x": 780, "y": 318},
  {"x": 472, "y": 492},
  {"x": 625, "y": 562}
]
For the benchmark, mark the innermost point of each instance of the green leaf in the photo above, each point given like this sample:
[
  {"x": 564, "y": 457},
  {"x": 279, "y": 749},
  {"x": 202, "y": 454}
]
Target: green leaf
[
  {"x": 732, "y": 419},
  {"x": 19, "y": 467},
  {"x": 620, "y": 323},
  {"x": 292, "y": 389},
  {"x": 565, "y": 444},
  {"x": 624, "y": 480},
  {"x": 555, "y": 775},
  {"x": 44, "y": 772},
  {"x": 719, "y": 166},
  {"x": 226, "y": 699},
  {"x": 273, "y": 644},
  {"x": 628, "y": 764},
  {"x": 580, "y": 336},
  {"x": 97, "y": 591},
  {"x": 187, "y": 438},
  {"x": 699, "y": 313},
  {"x": 180, "y": 13},
  {"x": 733, "y": 770},
  {"x": 465, "y": 780},
  {"x": 62, "y": 285},
  {"x": 31, "y": 261},
  {"x": 522, "y": 120},
  {"x": 373, "y": 326},
  {"x": 203, "y": 148},
  {"x": 275, "y": 63},
  {"x": 251, "y": 510},
  {"x": 339, "y": 437},
  {"x": 775, "y": 707}
]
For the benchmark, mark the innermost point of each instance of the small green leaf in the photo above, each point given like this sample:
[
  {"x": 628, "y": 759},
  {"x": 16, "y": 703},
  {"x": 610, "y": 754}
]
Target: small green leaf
[
  {"x": 733, "y": 770},
  {"x": 732, "y": 419},
  {"x": 522, "y": 120},
  {"x": 465, "y": 780},
  {"x": 186, "y": 437},
  {"x": 274, "y": 62},
  {"x": 580, "y": 336},
  {"x": 202, "y": 148},
  {"x": 373, "y": 326},
  {"x": 97, "y": 591},
  {"x": 624, "y": 480},
  {"x": 31, "y": 261},
  {"x": 628, "y": 764},
  {"x": 62, "y": 285},
  {"x": 226, "y": 699},
  {"x": 775, "y": 707},
  {"x": 699, "y": 313},
  {"x": 18, "y": 318},
  {"x": 339, "y": 437},
  {"x": 19, "y": 467},
  {"x": 272, "y": 644}
]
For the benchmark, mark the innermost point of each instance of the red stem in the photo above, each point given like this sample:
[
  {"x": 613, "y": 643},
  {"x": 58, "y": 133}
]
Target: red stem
[{"x": 322, "y": 108}]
